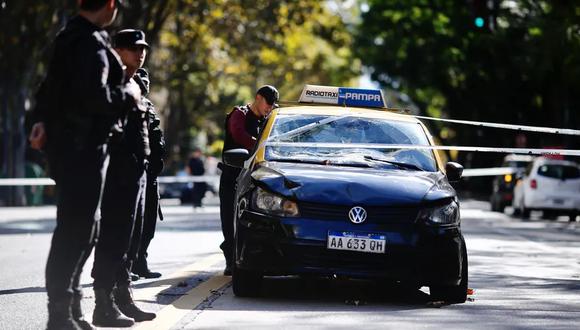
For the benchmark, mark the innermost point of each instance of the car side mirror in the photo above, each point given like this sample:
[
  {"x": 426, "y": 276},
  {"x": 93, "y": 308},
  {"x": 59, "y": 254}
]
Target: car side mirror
[
  {"x": 454, "y": 171},
  {"x": 236, "y": 157}
]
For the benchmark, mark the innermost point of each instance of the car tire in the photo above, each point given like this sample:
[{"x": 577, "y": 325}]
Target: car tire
[
  {"x": 524, "y": 211},
  {"x": 453, "y": 294},
  {"x": 246, "y": 283},
  {"x": 548, "y": 215},
  {"x": 495, "y": 204},
  {"x": 500, "y": 207}
]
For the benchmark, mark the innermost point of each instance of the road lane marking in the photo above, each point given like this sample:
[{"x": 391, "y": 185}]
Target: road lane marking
[
  {"x": 150, "y": 292},
  {"x": 173, "y": 313}
]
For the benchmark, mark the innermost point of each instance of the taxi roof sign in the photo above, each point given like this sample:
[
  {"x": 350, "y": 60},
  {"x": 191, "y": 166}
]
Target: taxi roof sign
[{"x": 346, "y": 96}]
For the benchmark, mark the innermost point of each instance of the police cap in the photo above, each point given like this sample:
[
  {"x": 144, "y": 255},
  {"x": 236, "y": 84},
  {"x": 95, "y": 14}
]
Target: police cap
[
  {"x": 129, "y": 38},
  {"x": 270, "y": 93}
]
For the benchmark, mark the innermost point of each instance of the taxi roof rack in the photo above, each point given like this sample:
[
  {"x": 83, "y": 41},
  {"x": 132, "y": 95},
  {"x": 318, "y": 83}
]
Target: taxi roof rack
[{"x": 296, "y": 103}]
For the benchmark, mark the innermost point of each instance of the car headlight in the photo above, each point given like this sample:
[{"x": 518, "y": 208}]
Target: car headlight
[
  {"x": 441, "y": 215},
  {"x": 272, "y": 204}
]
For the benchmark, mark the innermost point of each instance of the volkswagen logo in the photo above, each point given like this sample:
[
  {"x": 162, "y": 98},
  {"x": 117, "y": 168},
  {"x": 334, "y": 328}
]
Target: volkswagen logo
[{"x": 357, "y": 214}]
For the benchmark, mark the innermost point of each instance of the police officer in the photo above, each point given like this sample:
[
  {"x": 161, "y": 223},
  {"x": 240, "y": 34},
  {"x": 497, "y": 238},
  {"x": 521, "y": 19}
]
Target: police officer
[
  {"x": 242, "y": 127},
  {"x": 152, "y": 208},
  {"x": 82, "y": 96},
  {"x": 123, "y": 202}
]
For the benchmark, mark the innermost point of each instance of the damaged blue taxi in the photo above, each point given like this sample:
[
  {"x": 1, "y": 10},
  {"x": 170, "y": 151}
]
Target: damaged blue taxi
[{"x": 340, "y": 185}]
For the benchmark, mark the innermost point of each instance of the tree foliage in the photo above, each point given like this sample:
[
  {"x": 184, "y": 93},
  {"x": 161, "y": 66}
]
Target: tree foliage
[
  {"x": 215, "y": 54},
  {"x": 206, "y": 57},
  {"x": 523, "y": 69}
]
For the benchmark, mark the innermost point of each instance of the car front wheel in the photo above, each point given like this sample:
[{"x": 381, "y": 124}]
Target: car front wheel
[
  {"x": 453, "y": 294},
  {"x": 246, "y": 283}
]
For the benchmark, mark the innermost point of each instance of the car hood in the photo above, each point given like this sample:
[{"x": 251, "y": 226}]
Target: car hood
[{"x": 351, "y": 185}]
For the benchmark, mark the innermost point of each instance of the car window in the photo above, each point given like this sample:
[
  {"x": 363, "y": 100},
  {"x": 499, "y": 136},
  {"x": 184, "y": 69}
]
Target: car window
[
  {"x": 571, "y": 172},
  {"x": 350, "y": 131},
  {"x": 559, "y": 171}
]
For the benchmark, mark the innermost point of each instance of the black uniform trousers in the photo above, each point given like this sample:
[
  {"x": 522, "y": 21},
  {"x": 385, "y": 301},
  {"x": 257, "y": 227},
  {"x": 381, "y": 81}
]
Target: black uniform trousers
[
  {"x": 79, "y": 177},
  {"x": 149, "y": 221},
  {"x": 227, "y": 195},
  {"x": 122, "y": 212}
]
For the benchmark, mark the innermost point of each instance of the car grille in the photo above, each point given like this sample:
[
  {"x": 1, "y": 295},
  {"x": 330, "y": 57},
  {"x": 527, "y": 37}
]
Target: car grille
[{"x": 375, "y": 214}]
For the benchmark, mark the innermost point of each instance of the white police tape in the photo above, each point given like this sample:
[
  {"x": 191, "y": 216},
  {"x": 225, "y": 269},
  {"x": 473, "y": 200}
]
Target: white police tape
[
  {"x": 468, "y": 172},
  {"x": 521, "y": 151},
  {"x": 526, "y": 128},
  {"x": 361, "y": 97},
  {"x": 161, "y": 179},
  {"x": 492, "y": 171}
]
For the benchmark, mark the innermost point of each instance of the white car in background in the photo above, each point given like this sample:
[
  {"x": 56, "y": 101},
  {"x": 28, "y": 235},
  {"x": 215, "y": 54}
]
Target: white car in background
[{"x": 551, "y": 186}]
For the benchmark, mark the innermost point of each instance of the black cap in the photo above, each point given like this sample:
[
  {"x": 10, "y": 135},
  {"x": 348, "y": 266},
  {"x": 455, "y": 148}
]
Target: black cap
[
  {"x": 270, "y": 93},
  {"x": 129, "y": 38}
]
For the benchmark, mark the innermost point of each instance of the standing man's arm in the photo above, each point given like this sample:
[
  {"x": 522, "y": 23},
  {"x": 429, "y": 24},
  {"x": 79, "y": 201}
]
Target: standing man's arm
[
  {"x": 237, "y": 127},
  {"x": 91, "y": 81}
]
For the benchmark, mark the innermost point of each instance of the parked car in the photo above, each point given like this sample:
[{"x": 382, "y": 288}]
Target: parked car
[
  {"x": 551, "y": 186},
  {"x": 330, "y": 191},
  {"x": 503, "y": 185}
]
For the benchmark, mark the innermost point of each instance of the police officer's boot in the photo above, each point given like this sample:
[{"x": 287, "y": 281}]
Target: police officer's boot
[
  {"x": 107, "y": 313},
  {"x": 142, "y": 269},
  {"x": 77, "y": 313},
  {"x": 124, "y": 299},
  {"x": 59, "y": 316}
]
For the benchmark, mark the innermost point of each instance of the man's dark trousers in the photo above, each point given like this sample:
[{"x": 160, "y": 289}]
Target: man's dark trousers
[
  {"x": 227, "y": 195},
  {"x": 122, "y": 204},
  {"x": 149, "y": 221},
  {"x": 79, "y": 177}
]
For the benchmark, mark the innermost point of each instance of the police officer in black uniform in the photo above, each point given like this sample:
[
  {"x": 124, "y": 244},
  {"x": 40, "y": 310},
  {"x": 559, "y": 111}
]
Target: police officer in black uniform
[
  {"x": 152, "y": 208},
  {"x": 242, "y": 128},
  {"x": 123, "y": 202},
  {"x": 84, "y": 93}
]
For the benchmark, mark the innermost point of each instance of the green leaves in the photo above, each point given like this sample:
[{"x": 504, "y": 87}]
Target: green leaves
[{"x": 431, "y": 51}]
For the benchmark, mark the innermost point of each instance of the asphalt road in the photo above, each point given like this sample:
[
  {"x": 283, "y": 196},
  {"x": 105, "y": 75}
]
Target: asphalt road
[{"x": 525, "y": 275}]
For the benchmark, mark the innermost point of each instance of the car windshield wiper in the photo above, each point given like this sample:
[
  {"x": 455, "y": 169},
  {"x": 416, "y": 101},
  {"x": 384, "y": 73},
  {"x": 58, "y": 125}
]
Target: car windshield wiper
[
  {"x": 402, "y": 165},
  {"x": 319, "y": 162},
  {"x": 299, "y": 160},
  {"x": 306, "y": 128}
]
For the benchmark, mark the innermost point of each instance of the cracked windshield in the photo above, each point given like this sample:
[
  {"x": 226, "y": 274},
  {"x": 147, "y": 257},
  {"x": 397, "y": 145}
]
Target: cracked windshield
[{"x": 349, "y": 141}]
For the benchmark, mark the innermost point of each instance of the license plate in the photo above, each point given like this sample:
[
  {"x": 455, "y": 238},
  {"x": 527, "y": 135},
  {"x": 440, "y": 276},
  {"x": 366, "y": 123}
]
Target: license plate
[
  {"x": 363, "y": 242},
  {"x": 558, "y": 201}
]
